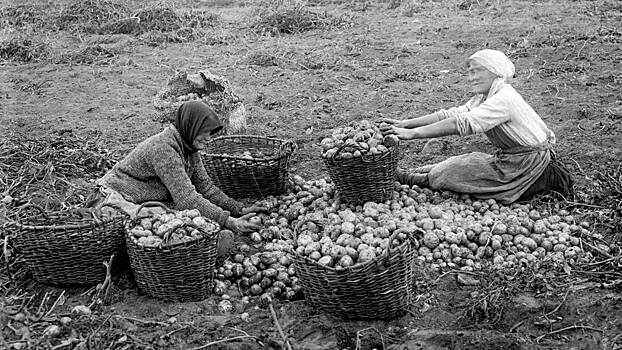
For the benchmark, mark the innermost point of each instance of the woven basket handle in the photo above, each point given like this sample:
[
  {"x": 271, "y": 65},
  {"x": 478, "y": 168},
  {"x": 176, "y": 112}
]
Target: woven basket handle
[
  {"x": 152, "y": 204},
  {"x": 97, "y": 214},
  {"x": 31, "y": 205},
  {"x": 411, "y": 236}
]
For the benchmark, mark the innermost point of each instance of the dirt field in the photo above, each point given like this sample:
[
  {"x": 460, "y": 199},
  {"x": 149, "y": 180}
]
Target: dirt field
[{"x": 77, "y": 82}]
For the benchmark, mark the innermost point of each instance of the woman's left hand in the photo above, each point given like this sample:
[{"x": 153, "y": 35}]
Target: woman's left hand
[{"x": 403, "y": 134}]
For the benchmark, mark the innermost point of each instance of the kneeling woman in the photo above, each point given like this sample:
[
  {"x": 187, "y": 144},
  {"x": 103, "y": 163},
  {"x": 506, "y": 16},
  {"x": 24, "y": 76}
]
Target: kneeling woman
[
  {"x": 524, "y": 163},
  {"x": 167, "y": 167}
]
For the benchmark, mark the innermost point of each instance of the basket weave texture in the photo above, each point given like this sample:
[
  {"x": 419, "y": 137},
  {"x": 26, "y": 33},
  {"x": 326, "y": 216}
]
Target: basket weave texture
[
  {"x": 178, "y": 272},
  {"x": 369, "y": 178},
  {"x": 378, "y": 289},
  {"x": 246, "y": 176},
  {"x": 68, "y": 247}
]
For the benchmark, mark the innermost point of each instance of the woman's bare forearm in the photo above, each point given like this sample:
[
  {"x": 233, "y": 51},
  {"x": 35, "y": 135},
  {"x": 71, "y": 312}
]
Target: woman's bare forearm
[
  {"x": 419, "y": 121},
  {"x": 440, "y": 128}
]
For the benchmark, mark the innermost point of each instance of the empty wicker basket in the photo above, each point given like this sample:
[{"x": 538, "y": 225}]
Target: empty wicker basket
[{"x": 249, "y": 176}]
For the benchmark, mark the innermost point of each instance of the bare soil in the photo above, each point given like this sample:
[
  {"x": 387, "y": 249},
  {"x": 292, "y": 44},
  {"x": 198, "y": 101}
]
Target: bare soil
[{"x": 391, "y": 59}]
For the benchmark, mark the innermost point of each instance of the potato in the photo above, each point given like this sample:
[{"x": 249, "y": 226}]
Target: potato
[
  {"x": 430, "y": 240},
  {"x": 346, "y": 261},
  {"x": 366, "y": 255},
  {"x": 304, "y": 240},
  {"x": 325, "y": 261}
]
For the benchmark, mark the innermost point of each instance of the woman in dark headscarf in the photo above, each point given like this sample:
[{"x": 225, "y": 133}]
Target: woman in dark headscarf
[{"x": 167, "y": 167}]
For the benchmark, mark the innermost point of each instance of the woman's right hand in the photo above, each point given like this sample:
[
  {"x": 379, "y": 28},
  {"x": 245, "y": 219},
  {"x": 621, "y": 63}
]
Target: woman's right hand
[{"x": 243, "y": 224}]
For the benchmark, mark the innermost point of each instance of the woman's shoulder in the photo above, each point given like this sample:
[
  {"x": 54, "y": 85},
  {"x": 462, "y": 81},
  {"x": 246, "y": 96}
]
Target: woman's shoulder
[
  {"x": 508, "y": 96},
  {"x": 163, "y": 142}
]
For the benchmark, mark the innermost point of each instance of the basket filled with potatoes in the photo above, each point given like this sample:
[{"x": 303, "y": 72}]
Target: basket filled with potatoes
[
  {"x": 353, "y": 270},
  {"x": 361, "y": 162},
  {"x": 173, "y": 253}
]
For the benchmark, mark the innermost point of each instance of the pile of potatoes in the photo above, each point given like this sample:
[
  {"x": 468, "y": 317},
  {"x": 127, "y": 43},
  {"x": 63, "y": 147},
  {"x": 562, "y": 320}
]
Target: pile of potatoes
[
  {"x": 349, "y": 242},
  {"x": 258, "y": 154},
  {"x": 165, "y": 229},
  {"x": 460, "y": 231},
  {"x": 362, "y": 138},
  {"x": 452, "y": 231},
  {"x": 268, "y": 272}
]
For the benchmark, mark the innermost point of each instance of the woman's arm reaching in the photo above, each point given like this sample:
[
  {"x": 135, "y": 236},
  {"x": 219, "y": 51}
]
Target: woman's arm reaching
[{"x": 440, "y": 128}]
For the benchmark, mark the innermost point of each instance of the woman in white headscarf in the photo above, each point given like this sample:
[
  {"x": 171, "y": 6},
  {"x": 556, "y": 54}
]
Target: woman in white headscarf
[{"x": 524, "y": 163}]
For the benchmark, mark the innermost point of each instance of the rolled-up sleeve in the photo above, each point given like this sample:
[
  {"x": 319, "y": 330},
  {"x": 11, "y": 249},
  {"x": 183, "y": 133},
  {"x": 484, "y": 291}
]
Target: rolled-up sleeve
[{"x": 476, "y": 120}]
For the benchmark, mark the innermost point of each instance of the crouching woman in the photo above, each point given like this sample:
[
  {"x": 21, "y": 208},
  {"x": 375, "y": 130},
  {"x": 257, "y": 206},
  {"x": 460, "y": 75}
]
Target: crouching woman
[{"x": 167, "y": 167}]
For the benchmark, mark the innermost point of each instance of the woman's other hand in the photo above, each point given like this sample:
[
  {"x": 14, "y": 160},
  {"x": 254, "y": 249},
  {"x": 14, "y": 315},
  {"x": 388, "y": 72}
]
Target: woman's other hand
[
  {"x": 391, "y": 121},
  {"x": 255, "y": 209},
  {"x": 244, "y": 224}
]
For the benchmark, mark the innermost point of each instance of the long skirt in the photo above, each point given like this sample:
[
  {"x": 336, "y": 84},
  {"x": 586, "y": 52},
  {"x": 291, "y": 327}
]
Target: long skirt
[{"x": 504, "y": 177}]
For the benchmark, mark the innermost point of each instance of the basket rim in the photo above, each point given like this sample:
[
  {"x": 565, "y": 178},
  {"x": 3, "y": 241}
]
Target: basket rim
[
  {"x": 385, "y": 254},
  {"x": 91, "y": 223},
  {"x": 355, "y": 267},
  {"x": 290, "y": 144},
  {"x": 362, "y": 158},
  {"x": 130, "y": 224},
  {"x": 168, "y": 247},
  {"x": 94, "y": 220}
]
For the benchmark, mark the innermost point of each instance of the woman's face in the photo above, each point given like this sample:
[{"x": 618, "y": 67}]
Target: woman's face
[
  {"x": 200, "y": 141},
  {"x": 479, "y": 77}
]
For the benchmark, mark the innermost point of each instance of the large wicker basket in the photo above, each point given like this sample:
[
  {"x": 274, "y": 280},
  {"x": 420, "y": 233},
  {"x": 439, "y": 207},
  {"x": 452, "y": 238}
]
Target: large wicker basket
[
  {"x": 378, "y": 289},
  {"x": 177, "y": 272},
  {"x": 247, "y": 176},
  {"x": 368, "y": 178},
  {"x": 68, "y": 247}
]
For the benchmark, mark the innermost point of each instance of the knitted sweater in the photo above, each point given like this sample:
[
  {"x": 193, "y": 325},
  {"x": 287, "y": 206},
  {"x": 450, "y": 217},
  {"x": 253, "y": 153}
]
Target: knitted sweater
[{"x": 156, "y": 170}]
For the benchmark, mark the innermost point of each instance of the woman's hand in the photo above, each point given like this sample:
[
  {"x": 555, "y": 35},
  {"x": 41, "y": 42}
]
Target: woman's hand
[
  {"x": 243, "y": 224},
  {"x": 401, "y": 133},
  {"x": 254, "y": 209},
  {"x": 390, "y": 121}
]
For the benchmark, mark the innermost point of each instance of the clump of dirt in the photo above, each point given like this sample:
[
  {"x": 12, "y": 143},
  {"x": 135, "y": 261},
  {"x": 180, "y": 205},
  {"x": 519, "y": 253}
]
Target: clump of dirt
[
  {"x": 292, "y": 17},
  {"x": 92, "y": 54},
  {"x": 213, "y": 90},
  {"x": 21, "y": 49}
]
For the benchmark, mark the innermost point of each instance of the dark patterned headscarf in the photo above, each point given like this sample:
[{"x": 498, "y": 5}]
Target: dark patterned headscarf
[{"x": 195, "y": 118}]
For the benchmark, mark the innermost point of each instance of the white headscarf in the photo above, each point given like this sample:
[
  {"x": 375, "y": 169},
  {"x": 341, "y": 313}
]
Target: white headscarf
[{"x": 497, "y": 63}]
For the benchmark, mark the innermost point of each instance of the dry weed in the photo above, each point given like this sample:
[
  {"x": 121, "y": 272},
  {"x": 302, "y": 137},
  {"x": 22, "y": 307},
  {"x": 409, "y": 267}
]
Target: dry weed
[
  {"x": 53, "y": 171},
  {"x": 21, "y": 49},
  {"x": 89, "y": 15},
  {"x": 92, "y": 54},
  {"x": 292, "y": 17},
  {"x": 21, "y": 16}
]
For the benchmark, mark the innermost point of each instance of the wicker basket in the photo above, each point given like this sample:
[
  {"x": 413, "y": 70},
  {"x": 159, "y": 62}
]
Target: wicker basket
[
  {"x": 247, "y": 177},
  {"x": 368, "y": 178},
  {"x": 68, "y": 247},
  {"x": 378, "y": 289},
  {"x": 178, "y": 272}
]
